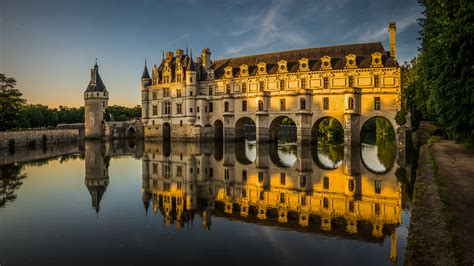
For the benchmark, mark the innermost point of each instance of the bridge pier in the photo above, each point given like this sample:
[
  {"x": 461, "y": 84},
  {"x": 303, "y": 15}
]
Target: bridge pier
[
  {"x": 351, "y": 129},
  {"x": 262, "y": 129}
]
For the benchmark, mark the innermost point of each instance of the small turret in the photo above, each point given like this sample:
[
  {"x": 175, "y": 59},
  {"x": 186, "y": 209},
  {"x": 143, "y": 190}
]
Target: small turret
[
  {"x": 96, "y": 100},
  {"x": 206, "y": 58},
  {"x": 146, "y": 80}
]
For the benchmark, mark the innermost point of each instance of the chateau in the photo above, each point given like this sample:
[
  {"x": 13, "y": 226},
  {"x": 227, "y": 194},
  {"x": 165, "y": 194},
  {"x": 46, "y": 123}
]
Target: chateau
[{"x": 204, "y": 99}]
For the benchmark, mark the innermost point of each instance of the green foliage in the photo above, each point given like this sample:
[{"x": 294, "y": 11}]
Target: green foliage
[
  {"x": 447, "y": 69},
  {"x": 287, "y": 121},
  {"x": 10, "y": 103},
  {"x": 377, "y": 129},
  {"x": 10, "y": 181},
  {"x": 401, "y": 117},
  {"x": 330, "y": 130},
  {"x": 122, "y": 113}
]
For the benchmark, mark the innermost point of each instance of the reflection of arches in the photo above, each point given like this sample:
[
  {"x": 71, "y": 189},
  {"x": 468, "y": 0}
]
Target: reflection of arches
[
  {"x": 377, "y": 128},
  {"x": 315, "y": 134},
  {"x": 166, "y": 131},
  {"x": 131, "y": 132},
  {"x": 245, "y": 128},
  {"x": 379, "y": 158},
  {"x": 327, "y": 156},
  {"x": 218, "y": 130},
  {"x": 282, "y": 156},
  {"x": 245, "y": 152},
  {"x": 282, "y": 127}
]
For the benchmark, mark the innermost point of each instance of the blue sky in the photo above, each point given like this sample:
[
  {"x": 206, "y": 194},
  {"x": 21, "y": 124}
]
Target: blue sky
[{"x": 50, "y": 45}]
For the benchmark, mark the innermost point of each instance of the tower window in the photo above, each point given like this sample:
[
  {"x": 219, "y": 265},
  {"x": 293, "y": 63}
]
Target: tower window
[
  {"x": 244, "y": 106},
  {"x": 303, "y": 181},
  {"x": 210, "y": 89},
  {"x": 302, "y": 104},
  {"x": 167, "y": 106},
  {"x": 211, "y": 107},
  {"x": 227, "y": 88},
  {"x": 325, "y": 203},
  {"x": 260, "y": 177},
  {"x": 244, "y": 175},
  {"x": 282, "y": 179},
  {"x": 226, "y": 106},
  {"x": 303, "y": 83},
  {"x": 376, "y": 81},
  {"x": 179, "y": 108},
  {"x": 326, "y": 182},
  {"x": 103, "y": 104},
  {"x": 350, "y": 103},
  {"x": 326, "y": 103},
  {"x": 351, "y": 185},
  {"x": 377, "y": 103},
  {"x": 282, "y": 198},
  {"x": 260, "y": 105},
  {"x": 154, "y": 95},
  {"x": 378, "y": 186},
  {"x": 350, "y": 81},
  {"x": 155, "y": 110},
  {"x": 282, "y": 85}
]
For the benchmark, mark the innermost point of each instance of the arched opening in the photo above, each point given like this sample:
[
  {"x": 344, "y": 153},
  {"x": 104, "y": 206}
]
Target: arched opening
[
  {"x": 166, "y": 131},
  {"x": 327, "y": 130},
  {"x": 245, "y": 129},
  {"x": 378, "y": 149},
  {"x": 283, "y": 128},
  {"x": 226, "y": 106},
  {"x": 131, "y": 133},
  {"x": 218, "y": 130}
]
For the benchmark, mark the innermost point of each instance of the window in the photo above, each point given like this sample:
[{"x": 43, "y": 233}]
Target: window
[
  {"x": 211, "y": 172},
  {"x": 262, "y": 85},
  {"x": 226, "y": 174},
  {"x": 326, "y": 103},
  {"x": 103, "y": 104},
  {"x": 179, "y": 171},
  {"x": 303, "y": 200},
  {"x": 351, "y": 185},
  {"x": 178, "y": 93},
  {"x": 244, "y": 175},
  {"x": 155, "y": 110},
  {"x": 210, "y": 89},
  {"x": 190, "y": 93},
  {"x": 302, "y": 104},
  {"x": 244, "y": 87},
  {"x": 282, "y": 104},
  {"x": 282, "y": 85},
  {"x": 155, "y": 168},
  {"x": 211, "y": 107},
  {"x": 377, "y": 208},
  {"x": 282, "y": 198},
  {"x": 166, "y": 171},
  {"x": 351, "y": 206},
  {"x": 179, "y": 109},
  {"x": 282, "y": 179},
  {"x": 350, "y": 81},
  {"x": 190, "y": 79},
  {"x": 244, "y": 106},
  {"x": 260, "y": 105},
  {"x": 303, "y": 181},
  {"x": 190, "y": 110},
  {"x": 326, "y": 182},
  {"x": 376, "y": 81},
  {"x": 227, "y": 191},
  {"x": 154, "y": 95},
  {"x": 167, "y": 110},
  {"x": 166, "y": 92},
  {"x": 326, "y": 82},
  {"x": 325, "y": 203},
  {"x": 377, "y": 103},
  {"x": 378, "y": 186},
  {"x": 260, "y": 177},
  {"x": 226, "y": 106},
  {"x": 262, "y": 195},
  {"x": 350, "y": 104},
  {"x": 227, "y": 88},
  {"x": 181, "y": 124},
  {"x": 303, "y": 83},
  {"x": 197, "y": 109},
  {"x": 244, "y": 193}
]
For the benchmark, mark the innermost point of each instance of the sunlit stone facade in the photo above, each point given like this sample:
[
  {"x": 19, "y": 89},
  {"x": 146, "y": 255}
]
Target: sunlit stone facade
[{"x": 208, "y": 99}]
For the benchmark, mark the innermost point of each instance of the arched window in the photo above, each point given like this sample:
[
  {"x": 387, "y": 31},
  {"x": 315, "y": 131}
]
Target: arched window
[
  {"x": 226, "y": 106},
  {"x": 260, "y": 105},
  {"x": 351, "y": 103},
  {"x": 302, "y": 104}
]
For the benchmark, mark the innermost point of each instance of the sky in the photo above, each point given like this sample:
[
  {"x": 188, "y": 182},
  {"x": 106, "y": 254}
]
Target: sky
[{"x": 49, "y": 46}]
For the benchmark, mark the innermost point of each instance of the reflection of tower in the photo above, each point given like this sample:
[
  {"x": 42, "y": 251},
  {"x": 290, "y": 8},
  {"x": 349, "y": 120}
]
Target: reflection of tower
[
  {"x": 97, "y": 173},
  {"x": 352, "y": 171}
]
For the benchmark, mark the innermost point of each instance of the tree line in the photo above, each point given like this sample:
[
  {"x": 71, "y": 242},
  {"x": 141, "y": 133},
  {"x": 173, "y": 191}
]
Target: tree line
[
  {"x": 437, "y": 85},
  {"x": 16, "y": 114}
]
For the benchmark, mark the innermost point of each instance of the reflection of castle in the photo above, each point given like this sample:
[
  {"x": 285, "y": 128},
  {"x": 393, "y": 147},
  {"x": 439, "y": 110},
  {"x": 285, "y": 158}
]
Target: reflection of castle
[
  {"x": 273, "y": 187},
  {"x": 97, "y": 172}
]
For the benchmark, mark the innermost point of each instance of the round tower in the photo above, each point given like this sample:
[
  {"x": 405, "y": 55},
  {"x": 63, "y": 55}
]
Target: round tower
[
  {"x": 96, "y": 100},
  {"x": 191, "y": 90},
  {"x": 145, "y": 83}
]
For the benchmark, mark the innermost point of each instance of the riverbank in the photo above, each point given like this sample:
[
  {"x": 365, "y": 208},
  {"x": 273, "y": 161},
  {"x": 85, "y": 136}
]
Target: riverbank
[{"x": 442, "y": 217}]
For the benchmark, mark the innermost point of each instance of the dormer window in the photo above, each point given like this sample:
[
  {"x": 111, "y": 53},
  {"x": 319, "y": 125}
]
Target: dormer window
[
  {"x": 282, "y": 66},
  {"x": 326, "y": 62},
  {"x": 376, "y": 59},
  {"x": 351, "y": 61},
  {"x": 228, "y": 72},
  {"x": 244, "y": 70},
  {"x": 262, "y": 68},
  {"x": 303, "y": 64}
]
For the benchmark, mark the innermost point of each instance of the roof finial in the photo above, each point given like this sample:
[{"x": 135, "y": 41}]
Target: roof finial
[
  {"x": 163, "y": 54},
  {"x": 186, "y": 49},
  {"x": 191, "y": 53},
  {"x": 145, "y": 61}
]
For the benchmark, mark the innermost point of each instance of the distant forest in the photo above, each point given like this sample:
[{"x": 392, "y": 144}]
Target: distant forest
[{"x": 16, "y": 114}]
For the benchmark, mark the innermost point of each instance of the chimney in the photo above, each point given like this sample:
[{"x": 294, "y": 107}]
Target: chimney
[
  {"x": 392, "y": 29},
  {"x": 206, "y": 58}
]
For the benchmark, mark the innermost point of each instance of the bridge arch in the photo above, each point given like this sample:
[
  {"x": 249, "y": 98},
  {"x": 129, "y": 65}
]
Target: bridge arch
[
  {"x": 379, "y": 127},
  {"x": 283, "y": 128},
  {"x": 131, "y": 132},
  {"x": 333, "y": 131},
  {"x": 245, "y": 128}
]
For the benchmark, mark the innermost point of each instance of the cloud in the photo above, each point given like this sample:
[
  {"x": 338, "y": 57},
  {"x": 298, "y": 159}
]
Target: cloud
[{"x": 264, "y": 31}]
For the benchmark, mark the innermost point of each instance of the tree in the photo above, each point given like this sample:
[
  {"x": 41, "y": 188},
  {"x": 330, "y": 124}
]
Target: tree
[
  {"x": 446, "y": 66},
  {"x": 10, "y": 103}
]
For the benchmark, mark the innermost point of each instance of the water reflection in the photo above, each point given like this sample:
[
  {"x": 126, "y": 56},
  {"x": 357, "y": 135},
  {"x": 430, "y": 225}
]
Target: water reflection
[{"x": 281, "y": 185}]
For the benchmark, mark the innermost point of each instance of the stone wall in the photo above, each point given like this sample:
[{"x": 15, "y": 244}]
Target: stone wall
[{"x": 37, "y": 137}]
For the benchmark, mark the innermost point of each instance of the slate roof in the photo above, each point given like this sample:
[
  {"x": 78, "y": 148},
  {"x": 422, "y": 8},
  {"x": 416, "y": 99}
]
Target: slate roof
[
  {"x": 96, "y": 83},
  {"x": 338, "y": 53},
  {"x": 145, "y": 74}
]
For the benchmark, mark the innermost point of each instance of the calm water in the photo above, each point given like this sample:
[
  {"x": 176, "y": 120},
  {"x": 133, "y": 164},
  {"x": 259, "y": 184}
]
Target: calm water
[{"x": 203, "y": 204}]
